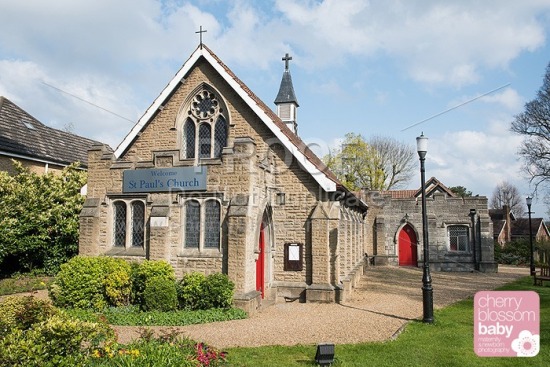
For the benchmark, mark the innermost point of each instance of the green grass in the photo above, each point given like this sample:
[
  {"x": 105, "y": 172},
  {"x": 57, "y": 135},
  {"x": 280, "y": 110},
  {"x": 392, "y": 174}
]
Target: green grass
[
  {"x": 23, "y": 283},
  {"x": 447, "y": 342}
]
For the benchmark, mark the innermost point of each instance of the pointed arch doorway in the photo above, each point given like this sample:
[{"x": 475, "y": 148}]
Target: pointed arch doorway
[
  {"x": 260, "y": 262},
  {"x": 407, "y": 243}
]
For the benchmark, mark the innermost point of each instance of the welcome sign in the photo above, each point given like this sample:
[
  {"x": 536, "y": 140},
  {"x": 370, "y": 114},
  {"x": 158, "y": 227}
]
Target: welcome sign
[
  {"x": 506, "y": 323},
  {"x": 164, "y": 179}
]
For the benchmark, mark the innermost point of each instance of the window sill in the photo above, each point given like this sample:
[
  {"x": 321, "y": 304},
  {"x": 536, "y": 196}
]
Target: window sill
[
  {"x": 210, "y": 253},
  {"x": 123, "y": 251}
]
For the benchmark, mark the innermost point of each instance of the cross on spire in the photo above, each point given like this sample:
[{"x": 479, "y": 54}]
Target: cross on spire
[
  {"x": 200, "y": 32},
  {"x": 286, "y": 59}
]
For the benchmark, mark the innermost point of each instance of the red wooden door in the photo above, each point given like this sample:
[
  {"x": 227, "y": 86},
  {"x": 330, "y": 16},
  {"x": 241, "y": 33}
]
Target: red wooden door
[
  {"x": 407, "y": 247},
  {"x": 260, "y": 262}
]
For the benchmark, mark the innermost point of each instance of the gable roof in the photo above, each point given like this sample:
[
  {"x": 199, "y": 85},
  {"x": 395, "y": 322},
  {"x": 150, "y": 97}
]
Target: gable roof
[
  {"x": 433, "y": 185},
  {"x": 301, "y": 152},
  {"x": 23, "y": 136},
  {"x": 520, "y": 227}
]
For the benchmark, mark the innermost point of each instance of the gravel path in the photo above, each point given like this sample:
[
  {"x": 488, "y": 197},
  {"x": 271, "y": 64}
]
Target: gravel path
[{"x": 385, "y": 299}]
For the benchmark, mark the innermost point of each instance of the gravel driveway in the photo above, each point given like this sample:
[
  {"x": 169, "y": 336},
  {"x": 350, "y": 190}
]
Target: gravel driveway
[{"x": 385, "y": 299}]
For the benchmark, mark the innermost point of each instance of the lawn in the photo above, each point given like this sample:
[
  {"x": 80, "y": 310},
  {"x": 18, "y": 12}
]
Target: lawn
[{"x": 447, "y": 342}]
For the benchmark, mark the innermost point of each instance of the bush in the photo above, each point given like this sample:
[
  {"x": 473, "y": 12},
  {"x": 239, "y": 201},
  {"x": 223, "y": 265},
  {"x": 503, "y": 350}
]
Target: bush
[
  {"x": 22, "y": 312},
  {"x": 57, "y": 341},
  {"x": 92, "y": 282},
  {"x": 191, "y": 291},
  {"x": 218, "y": 291},
  {"x": 198, "y": 292},
  {"x": 160, "y": 294},
  {"x": 147, "y": 270},
  {"x": 514, "y": 253},
  {"x": 39, "y": 219}
]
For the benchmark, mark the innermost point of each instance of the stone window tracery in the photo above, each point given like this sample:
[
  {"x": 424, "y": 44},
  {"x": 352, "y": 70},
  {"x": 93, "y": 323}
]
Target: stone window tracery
[{"x": 205, "y": 129}]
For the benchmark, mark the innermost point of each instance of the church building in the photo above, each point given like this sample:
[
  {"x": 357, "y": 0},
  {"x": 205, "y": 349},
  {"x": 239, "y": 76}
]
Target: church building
[{"x": 210, "y": 179}]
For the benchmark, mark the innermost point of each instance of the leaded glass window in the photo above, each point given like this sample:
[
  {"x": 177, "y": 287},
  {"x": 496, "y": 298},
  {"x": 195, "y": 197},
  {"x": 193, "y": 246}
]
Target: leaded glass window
[
  {"x": 212, "y": 224},
  {"x": 189, "y": 139},
  {"x": 138, "y": 223},
  {"x": 205, "y": 130},
  {"x": 204, "y": 141},
  {"x": 220, "y": 136},
  {"x": 458, "y": 238},
  {"x": 192, "y": 224},
  {"x": 119, "y": 223}
]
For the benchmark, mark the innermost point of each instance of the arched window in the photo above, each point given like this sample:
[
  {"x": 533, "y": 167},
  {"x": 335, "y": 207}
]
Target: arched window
[
  {"x": 220, "y": 136},
  {"x": 205, "y": 129},
  {"x": 212, "y": 224},
  {"x": 119, "y": 223},
  {"x": 189, "y": 139},
  {"x": 138, "y": 223},
  {"x": 205, "y": 142},
  {"x": 192, "y": 224},
  {"x": 128, "y": 223},
  {"x": 202, "y": 224}
]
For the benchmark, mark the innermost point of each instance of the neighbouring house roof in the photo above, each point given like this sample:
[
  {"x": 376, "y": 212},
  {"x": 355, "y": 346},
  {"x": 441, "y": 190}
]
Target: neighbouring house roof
[
  {"x": 520, "y": 227},
  {"x": 24, "y": 137},
  {"x": 498, "y": 227},
  {"x": 500, "y": 214},
  {"x": 433, "y": 185},
  {"x": 301, "y": 152}
]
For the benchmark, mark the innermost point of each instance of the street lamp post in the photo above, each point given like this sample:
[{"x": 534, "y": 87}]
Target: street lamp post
[
  {"x": 427, "y": 291},
  {"x": 529, "y": 201}
]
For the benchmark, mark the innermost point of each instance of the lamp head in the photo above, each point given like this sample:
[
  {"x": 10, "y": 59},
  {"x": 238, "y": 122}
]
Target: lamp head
[
  {"x": 529, "y": 201},
  {"x": 422, "y": 145}
]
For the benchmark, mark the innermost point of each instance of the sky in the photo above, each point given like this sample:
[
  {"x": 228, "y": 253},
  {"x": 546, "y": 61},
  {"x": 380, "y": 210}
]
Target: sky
[{"x": 457, "y": 71}]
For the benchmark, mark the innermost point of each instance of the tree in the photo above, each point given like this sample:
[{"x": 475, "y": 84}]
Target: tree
[
  {"x": 534, "y": 125},
  {"x": 507, "y": 194},
  {"x": 460, "y": 191},
  {"x": 39, "y": 218},
  {"x": 380, "y": 164}
]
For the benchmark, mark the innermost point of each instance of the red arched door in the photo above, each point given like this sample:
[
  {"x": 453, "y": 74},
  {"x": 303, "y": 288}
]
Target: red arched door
[
  {"x": 407, "y": 247},
  {"x": 260, "y": 263}
]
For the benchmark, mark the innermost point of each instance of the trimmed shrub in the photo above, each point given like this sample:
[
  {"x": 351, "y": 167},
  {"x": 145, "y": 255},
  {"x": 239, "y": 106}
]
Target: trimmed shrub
[
  {"x": 148, "y": 269},
  {"x": 191, "y": 291},
  {"x": 199, "y": 292},
  {"x": 92, "y": 282},
  {"x": 160, "y": 294},
  {"x": 218, "y": 291}
]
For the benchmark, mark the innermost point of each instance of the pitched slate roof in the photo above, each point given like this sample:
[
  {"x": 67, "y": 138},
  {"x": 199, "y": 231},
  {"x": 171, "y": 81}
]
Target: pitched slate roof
[
  {"x": 303, "y": 154},
  {"x": 286, "y": 90},
  {"x": 23, "y": 136},
  {"x": 520, "y": 226}
]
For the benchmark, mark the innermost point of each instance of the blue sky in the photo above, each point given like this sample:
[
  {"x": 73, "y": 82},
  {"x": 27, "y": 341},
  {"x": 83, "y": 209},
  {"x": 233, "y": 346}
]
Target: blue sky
[{"x": 369, "y": 67}]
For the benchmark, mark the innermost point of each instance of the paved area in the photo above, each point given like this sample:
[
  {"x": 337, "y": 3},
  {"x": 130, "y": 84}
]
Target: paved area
[{"x": 386, "y": 298}]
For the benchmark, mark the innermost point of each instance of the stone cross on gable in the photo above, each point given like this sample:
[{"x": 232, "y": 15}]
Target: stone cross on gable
[
  {"x": 286, "y": 59},
  {"x": 200, "y": 32}
]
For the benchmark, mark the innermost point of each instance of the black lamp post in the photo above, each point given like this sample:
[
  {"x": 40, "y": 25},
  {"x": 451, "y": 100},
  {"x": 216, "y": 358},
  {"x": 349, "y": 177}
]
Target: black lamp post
[
  {"x": 427, "y": 291},
  {"x": 529, "y": 201}
]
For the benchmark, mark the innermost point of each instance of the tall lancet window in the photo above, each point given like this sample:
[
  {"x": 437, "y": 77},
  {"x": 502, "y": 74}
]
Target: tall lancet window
[{"x": 205, "y": 129}]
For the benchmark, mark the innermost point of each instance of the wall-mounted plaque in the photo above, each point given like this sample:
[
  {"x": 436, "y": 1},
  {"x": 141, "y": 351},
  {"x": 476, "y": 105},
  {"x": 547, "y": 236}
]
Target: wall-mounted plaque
[{"x": 164, "y": 179}]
